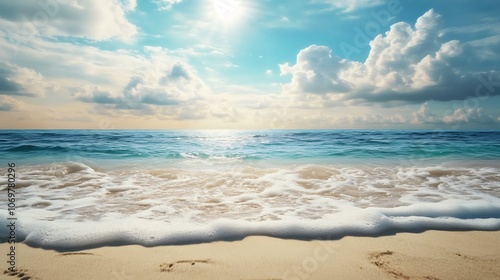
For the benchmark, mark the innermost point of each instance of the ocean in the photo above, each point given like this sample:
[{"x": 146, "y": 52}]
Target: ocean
[{"x": 79, "y": 189}]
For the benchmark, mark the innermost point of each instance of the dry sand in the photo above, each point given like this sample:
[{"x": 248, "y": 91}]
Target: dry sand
[{"x": 428, "y": 255}]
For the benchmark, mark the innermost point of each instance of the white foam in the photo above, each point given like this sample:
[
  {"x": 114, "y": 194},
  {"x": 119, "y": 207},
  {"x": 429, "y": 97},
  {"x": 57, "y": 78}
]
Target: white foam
[{"x": 75, "y": 206}]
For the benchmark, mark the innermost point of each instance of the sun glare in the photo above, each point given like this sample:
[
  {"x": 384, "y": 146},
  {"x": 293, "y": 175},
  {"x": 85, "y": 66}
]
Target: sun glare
[{"x": 229, "y": 12}]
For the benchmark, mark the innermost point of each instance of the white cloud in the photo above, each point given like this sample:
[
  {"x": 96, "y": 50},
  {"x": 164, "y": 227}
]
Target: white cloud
[
  {"x": 407, "y": 64},
  {"x": 92, "y": 19},
  {"x": 459, "y": 116},
  {"x": 163, "y": 85},
  {"x": 15, "y": 80},
  {"x": 469, "y": 115},
  {"x": 8, "y": 103},
  {"x": 424, "y": 115},
  {"x": 129, "y": 5},
  {"x": 166, "y": 4},
  {"x": 74, "y": 65},
  {"x": 315, "y": 71},
  {"x": 229, "y": 64},
  {"x": 285, "y": 22},
  {"x": 138, "y": 83}
]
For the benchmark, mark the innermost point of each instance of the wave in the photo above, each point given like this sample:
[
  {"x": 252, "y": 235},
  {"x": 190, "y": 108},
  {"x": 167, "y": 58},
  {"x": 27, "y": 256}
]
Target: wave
[
  {"x": 73, "y": 205},
  {"x": 264, "y": 145},
  {"x": 36, "y": 148},
  {"x": 64, "y": 236}
]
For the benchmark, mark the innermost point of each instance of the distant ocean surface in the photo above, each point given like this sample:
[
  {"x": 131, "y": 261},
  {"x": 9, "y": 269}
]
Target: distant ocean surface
[{"x": 88, "y": 188}]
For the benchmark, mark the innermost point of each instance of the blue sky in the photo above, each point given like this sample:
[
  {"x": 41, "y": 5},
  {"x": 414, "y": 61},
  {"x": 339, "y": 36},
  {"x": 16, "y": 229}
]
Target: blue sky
[{"x": 184, "y": 64}]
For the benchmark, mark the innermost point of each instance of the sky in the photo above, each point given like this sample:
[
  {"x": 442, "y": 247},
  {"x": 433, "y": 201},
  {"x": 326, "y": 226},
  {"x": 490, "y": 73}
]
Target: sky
[{"x": 240, "y": 64}]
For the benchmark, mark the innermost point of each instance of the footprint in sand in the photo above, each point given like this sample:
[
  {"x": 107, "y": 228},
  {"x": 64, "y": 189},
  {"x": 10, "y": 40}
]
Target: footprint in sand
[
  {"x": 168, "y": 267},
  {"x": 383, "y": 260},
  {"x": 22, "y": 274}
]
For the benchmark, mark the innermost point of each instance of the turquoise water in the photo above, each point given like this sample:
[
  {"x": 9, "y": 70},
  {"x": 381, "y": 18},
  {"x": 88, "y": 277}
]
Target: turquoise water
[
  {"x": 89, "y": 188},
  {"x": 174, "y": 147}
]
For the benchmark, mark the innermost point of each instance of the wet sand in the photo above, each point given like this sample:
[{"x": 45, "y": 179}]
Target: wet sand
[{"x": 428, "y": 255}]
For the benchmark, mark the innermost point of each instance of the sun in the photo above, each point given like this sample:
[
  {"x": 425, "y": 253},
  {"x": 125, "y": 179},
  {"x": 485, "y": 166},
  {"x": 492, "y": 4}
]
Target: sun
[
  {"x": 226, "y": 20},
  {"x": 229, "y": 12}
]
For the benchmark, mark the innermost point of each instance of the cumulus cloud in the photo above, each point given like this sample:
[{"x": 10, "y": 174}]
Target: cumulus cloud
[
  {"x": 424, "y": 115},
  {"x": 96, "y": 95},
  {"x": 316, "y": 71},
  {"x": 72, "y": 65},
  {"x": 15, "y": 80},
  {"x": 458, "y": 116},
  {"x": 406, "y": 64},
  {"x": 113, "y": 82},
  {"x": 92, "y": 19},
  {"x": 165, "y": 85},
  {"x": 469, "y": 115}
]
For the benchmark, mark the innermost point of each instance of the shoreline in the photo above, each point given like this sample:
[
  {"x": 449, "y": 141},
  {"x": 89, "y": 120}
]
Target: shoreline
[{"x": 428, "y": 255}]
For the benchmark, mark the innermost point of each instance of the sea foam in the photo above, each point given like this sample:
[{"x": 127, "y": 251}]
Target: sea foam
[{"x": 71, "y": 206}]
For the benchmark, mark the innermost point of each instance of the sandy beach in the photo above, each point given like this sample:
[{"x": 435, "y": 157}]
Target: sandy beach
[{"x": 428, "y": 255}]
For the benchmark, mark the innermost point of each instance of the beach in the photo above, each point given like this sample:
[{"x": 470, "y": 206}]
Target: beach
[
  {"x": 427, "y": 255},
  {"x": 251, "y": 204},
  {"x": 249, "y": 140}
]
